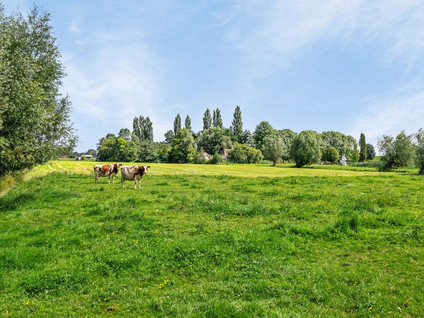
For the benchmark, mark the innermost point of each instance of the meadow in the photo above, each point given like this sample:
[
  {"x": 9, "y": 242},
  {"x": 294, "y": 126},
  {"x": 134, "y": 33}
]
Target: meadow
[{"x": 213, "y": 241}]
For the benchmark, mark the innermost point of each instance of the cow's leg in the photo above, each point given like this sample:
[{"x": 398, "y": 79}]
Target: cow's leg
[
  {"x": 139, "y": 183},
  {"x": 135, "y": 182},
  {"x": 122, "y": 182},
  {"x": 109, "y": 180},
  {"x": 113, "y": 179}
]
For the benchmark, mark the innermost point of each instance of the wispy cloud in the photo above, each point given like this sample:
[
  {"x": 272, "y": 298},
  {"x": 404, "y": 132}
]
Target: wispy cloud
[{"x": 400, "y": 110}]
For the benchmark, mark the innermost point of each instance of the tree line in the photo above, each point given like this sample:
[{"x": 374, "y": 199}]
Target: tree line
[{"x": 216, "y": 143}]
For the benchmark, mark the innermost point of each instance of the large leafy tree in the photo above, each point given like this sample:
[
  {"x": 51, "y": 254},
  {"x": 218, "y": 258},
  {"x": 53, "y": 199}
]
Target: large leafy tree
[
  {"x": 306, "y": 148},
  {"x": 262, "y": 131},
  {"x": 242, "y": 153},
  {"x": 370, "y": 152},
  {"x": 34, "y": 117},
  {"x": 362, "y": 148},
  {"x": 420, "y": 150},
  {"x": 273, "y": 148},
  {"x": 287, "y": 136},
  {"x": 213, "y": 140},
  {"x": 183, "y": 147},
  {"x": 396, "y": 152}
]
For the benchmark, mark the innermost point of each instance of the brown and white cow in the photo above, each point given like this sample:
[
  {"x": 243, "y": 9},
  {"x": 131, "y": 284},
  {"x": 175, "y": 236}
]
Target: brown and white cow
[
  {"x": 106, "y": 170},
  {"x": 133, "y": 173}
]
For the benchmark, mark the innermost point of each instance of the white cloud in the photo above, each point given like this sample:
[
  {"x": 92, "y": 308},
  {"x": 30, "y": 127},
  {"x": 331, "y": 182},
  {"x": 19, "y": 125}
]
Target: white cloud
[
  {"x": 388, "y": 115},
  {"x": 111, "y": 86}
]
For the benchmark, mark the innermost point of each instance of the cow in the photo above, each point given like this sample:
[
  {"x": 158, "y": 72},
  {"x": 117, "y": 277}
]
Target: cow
[
  {"x": 106, "y": 170},
  {"x": 133, "y": 173}
]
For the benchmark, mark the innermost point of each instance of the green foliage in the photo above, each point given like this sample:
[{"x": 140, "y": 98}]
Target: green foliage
[
  {"x": 362, "y": 148},
  {"x": 274, "y": 148},
  {"x": 242, "y": 153},
  {"x": 177, "y": 124},
  {"x": 217, "y": 119},
  {"x": 183, "y": 147},
  {"x": 330, "y": 154},
  {"x": 187, "y": 123},
  {"x": 112, "y": 148},
  {"x": 396, "y": 153},
  {"x": 34, "y": 117},
  {"x": 288, "y": 136},
  {"x": 344, "y": 144},
  {"x": 354, "y": 155},
  {"x": 213, "y": 140},
  {"x": 143, "y": 128},
  {"x": 306, "y": 148},
  {"x": 207, "y": 119},
  {"x": 262, "y": 131},
  {"x": 419, "y": 158},
  {"x": 237, "y": 125},
  {"x": 169, "y": 136},
  {"x": 148, "y": 152},
  {"x": 370, "y": 152}
]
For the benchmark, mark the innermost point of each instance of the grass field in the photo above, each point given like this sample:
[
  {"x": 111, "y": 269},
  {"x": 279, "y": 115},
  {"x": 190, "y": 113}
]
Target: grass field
[{"x": 213, "y": 241}]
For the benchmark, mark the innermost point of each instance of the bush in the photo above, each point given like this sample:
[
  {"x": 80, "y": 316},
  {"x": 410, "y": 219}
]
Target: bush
[
  {"x": 242, "y": 153},
  {"x": 330, "y": 154}
]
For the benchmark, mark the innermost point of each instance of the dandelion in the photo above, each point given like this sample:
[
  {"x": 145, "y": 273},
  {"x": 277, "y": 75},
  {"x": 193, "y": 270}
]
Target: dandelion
[{"x": 27, "y": 303}]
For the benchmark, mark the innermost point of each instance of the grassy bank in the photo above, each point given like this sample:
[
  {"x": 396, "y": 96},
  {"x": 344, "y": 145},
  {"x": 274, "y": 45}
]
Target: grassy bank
[{"x": 241, "y": 241}]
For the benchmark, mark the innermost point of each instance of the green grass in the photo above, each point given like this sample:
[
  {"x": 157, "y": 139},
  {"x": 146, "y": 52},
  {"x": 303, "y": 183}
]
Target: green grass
[{"x": 213, "y": 241}]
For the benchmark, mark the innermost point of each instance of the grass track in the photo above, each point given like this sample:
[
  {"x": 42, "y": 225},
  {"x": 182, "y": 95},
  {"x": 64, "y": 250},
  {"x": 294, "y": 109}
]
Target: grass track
[{"x": 208, "y": 245}]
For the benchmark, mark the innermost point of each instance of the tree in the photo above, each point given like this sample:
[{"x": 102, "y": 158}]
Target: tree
[
  {"x": 187, "y": 123},
  {"x": 246, "y": 138},
  {"x": 362, "y": 148},
  {"x": 306, "y": 148},
  {"x": 177, "y": 124},
  {"x": 370, "y": 152},
  {"x": 287, "y": 136},
  {"x": 207, "y": 119},
  {"x": 147, "y": 130},
  {"x": 396, "y": 152},
  {"x": 169, "y": 136},
  {"x": 213, "y": 140},
  {"x": 136, "y": 127},
  {"x": 34, "y": 117},
  {"x": 237, "y": 124},
  {"x": 147, "y": 151},
  {"x": 354, "y": 155},
  {"x": 420, "y": 151},
  {"x": 183, "y": 147},
  {"x": 242, "y": 153},
  {"x": 262, "y": 131},
  {"x": 330, "y": 154},
  {"x": 125, "y": 133},
  {"x": 217, "y": 119},
  {"x": 273, "y": 149}
]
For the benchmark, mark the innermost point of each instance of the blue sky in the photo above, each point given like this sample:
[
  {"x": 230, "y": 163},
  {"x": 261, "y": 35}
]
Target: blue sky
[{"x": 351, "y": 66}]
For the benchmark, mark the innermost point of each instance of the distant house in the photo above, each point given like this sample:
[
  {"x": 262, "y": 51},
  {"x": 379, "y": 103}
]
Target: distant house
[
  {"x": 343, "y": 161},
  {"x": 226, "y": 152},
  {"x": 84, "y": 157}
]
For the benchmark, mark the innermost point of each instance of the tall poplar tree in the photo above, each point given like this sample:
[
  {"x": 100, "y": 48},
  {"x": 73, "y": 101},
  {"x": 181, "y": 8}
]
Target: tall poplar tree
[
  {"x": 217, "y": 119},
  {"x": 187, "y": 123},
  {"x": 207, "y": 119},
  {"x": 177, "y": 124},
  {"x": 147, "y": 130},
  {"x": 362, "y": 148},
  {"x": 237, "y": 124}
]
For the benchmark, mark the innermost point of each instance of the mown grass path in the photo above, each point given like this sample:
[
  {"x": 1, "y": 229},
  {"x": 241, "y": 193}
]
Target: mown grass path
[{"x": 245, "y": 243}]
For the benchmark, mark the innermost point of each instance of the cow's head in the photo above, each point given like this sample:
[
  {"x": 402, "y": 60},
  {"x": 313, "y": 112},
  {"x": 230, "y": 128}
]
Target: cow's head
[
  {"x": 115, "y": 167},
  {"x": 143, "y": 169}
]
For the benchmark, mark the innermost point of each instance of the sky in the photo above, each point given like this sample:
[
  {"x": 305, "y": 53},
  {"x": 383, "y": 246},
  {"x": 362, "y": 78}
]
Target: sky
[{"x": 351, "y": 66}]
